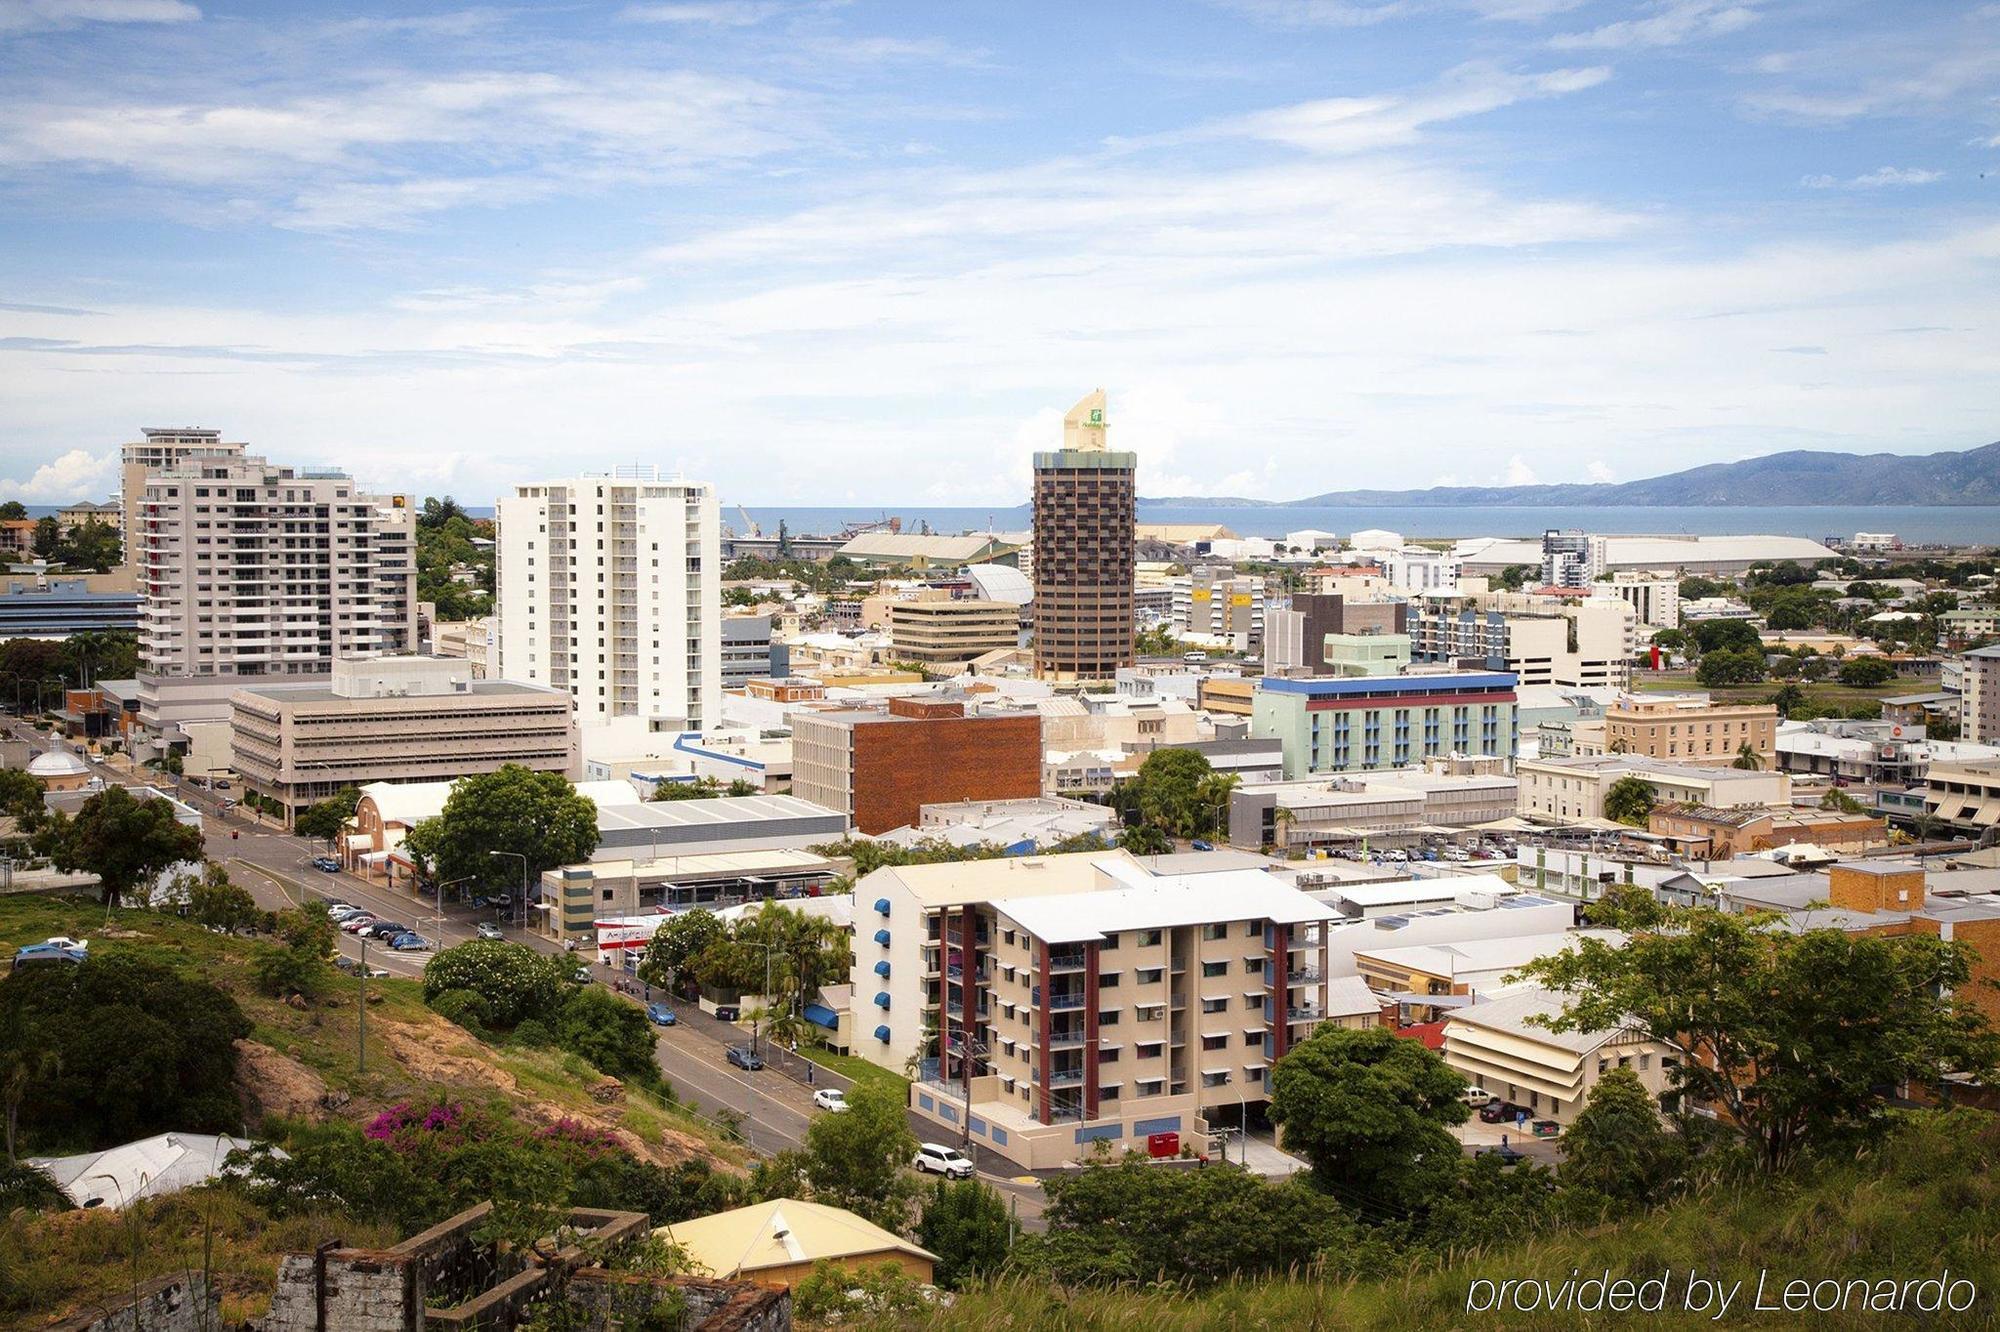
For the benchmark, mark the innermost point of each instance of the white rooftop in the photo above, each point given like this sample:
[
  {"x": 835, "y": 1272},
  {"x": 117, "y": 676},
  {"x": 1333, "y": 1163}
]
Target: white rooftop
[
  {"x": 1485, "y": 956},
  {"x": 147, "y": 1168},
  {"x": 1170, "y": 901}
]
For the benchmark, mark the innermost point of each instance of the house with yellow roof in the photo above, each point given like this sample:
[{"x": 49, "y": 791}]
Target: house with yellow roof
[{"x": 777, "y": 1243}]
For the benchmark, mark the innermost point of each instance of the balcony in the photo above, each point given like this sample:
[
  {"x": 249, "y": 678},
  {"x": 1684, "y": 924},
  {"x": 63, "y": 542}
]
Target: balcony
[
  {"x": 1059, "y": 1000},
  {"x": 1067, "y": 959}
]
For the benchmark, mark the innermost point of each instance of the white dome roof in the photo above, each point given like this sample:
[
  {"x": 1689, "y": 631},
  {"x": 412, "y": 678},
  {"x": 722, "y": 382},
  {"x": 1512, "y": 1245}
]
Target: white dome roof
[{"x": 57, "y": 763}]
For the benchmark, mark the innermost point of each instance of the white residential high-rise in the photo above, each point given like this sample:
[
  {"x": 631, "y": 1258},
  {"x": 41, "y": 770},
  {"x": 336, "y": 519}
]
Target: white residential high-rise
[
  {"x": 249, "y": 570},
  {"x": 162, "y": 449},
  {"x": 610, "y": 587}
]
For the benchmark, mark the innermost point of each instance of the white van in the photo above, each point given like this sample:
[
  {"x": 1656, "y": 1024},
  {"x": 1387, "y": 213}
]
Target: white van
[
  {"x": 1194, "y": 658},
  {"x": 1476, "y": 1097}
]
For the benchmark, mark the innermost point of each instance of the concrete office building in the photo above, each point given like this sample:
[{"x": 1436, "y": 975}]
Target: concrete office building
[
  {"x": 610, "y": 589},
  {"x": 1505, "y": 1047},
  {"x": 881, "y": 766},
  {"x": 1217, "y": 603},
  {"x": 162, "y": 449},
  {"x": 1571, "y": 559},
  {"x": 1295, "y": 640},
  {"x": 1419, "y": 569},
  {"x": 250, "y": 569},
  {"x": 59, "y": 607},
  {"x": 1369, "y": 723},
  {"x": 1085, "y": 550},
  {"x": 750, "y": 653},
  {"x": 1103, "y": 1002},
  {"x": 946, "y": 632},
  {"x": 1586, "y": 642},
  {"x": 1655, "y": 598},
  {"x": 394, "y": 719}
]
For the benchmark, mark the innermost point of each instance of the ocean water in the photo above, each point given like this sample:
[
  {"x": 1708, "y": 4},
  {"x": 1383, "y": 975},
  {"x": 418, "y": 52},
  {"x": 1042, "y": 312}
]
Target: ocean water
[{"x": 1947, "y": 526}]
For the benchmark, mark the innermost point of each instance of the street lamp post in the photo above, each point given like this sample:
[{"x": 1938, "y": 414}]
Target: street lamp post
[
  {"x": 756, "y": 1020},
  {"x": 442, "y": 885},
  {"x": 521, "y": 914}
]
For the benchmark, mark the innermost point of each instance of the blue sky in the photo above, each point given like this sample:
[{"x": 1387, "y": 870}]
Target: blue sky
[{"x": 868, "y": 252}]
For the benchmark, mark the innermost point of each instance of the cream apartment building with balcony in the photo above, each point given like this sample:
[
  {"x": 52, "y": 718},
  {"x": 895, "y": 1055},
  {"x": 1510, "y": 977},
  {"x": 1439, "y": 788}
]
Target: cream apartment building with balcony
[
  {"x": 1055, "y": 1003},
  {"x": 251, "y": 570}
]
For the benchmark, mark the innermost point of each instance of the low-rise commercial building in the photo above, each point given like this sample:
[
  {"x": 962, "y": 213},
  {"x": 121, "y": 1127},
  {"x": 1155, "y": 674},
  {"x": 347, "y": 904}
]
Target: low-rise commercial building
[
  {"x": 1584, "y": 641},
  {"x": 1721, "y": 834},
  {"x": 1573, "y": 789},
  {"x": 393, "y": 719},
  {"x": 1690, "y": 728},
  {"x": 880, "y": 766},
  {"x": 1389, "y": 809},
  {"x": 1366, "y": 724},
  {"x": 1504, "y": 1047},
  {"x": 942, "y": 632},
  {"x": 1427, "y": 978},
  {"x": 59, "y": 607}
]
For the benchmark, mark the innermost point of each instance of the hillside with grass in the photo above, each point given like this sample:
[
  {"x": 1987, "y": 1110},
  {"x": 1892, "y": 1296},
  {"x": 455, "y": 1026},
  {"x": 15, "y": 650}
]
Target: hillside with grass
[
  {"x": 1923, "y": 1201},
  {"x": 537, "y": 1113}
]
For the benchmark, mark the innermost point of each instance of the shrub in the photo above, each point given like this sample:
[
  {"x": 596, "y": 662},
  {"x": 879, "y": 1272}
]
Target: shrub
[{"x": 468, "y": 1008}]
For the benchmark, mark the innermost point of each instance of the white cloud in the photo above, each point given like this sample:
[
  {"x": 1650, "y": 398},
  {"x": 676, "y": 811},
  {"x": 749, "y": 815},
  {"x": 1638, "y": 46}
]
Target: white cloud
[
  {"x": 1321, "y": 13},
  {"x": 1877, "y": 179},
  {"x": 29, "y": 15},
  {"x": 1369, "y": 123},
  {"x": 76, "y": 475},
  {"x": 714, "y": 13},
  {"x": 1518, "y": 472},
  {"x": 1599, "y": 470},
  {"x": 1675, "y": 22}
]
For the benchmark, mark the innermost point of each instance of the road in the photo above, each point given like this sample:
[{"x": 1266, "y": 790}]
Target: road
[{"x": 276, "y": 868}]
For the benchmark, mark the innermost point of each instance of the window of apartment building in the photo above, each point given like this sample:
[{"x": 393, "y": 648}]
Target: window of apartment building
[
  {"x": 1210, "y": 933},
  {"x": 1150, "y": 1086},
  {"x": 1109, "y": 1093},
  {"x": 1149, "y": 938},
  {"x": 1109, "y": 980},
  {"x": 1149, "y": 1012},
  {"x": 1215, "y": 1079},
  {"x": 1006, "y": 936},
  {"x": 1150, "y": 975},
  {"x": 1151, "y": 1049},
  {"x": 1109, "y": 1017},
  {"x": 1215, "y": 968},
  {"x": 1107, "y": 1054},
  {"x": 1215, "y": 1042},
  {"x": 1220, "y": 1005},
  {"x": 1110, "y": 943}
]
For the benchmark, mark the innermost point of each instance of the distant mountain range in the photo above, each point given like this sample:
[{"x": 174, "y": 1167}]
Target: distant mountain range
[{"x": 1799, "y": 477}]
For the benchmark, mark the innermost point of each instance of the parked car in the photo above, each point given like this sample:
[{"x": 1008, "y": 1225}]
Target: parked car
[
  {"x": 745, "y": 1058},
  {"x": 383, "y": 930},
  {"x": 353, "y": 924},
  {"x": 488, "y": 930},
  {"x": 1508, "y": 1156},
  {"x": 410, "y": 943},
  {"x": 660, "y": 1015},
  {"x": 1495, "y": 1112},
  {"x": 1200, "y": 845},
  {"x": 581, "y": 975},
  {"x": 1475, "y": 1097},
  {"x": 326, "y": 864},
  {"x": 1398, "y": 855},
  {"x": 341, "y": 911},
  {"x": 830, "y": 1098},
  {"x": 934, "y": 1158}
]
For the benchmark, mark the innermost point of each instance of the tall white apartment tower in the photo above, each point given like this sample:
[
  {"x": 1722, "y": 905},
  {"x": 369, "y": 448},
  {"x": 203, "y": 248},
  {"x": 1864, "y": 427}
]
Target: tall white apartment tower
[
  {"x": 162, "y": 449},
  {"x": 610, "y": 587},
  {"x": 249, "y": 569}
]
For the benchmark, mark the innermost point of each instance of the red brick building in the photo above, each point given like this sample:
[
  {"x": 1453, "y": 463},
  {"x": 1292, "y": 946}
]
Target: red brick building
[{"x": 882, "y": 765}]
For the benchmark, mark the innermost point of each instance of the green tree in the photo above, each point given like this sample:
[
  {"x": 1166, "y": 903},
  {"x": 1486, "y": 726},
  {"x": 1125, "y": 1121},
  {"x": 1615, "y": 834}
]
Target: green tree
[
  {"x": 534, "y": 814},
  {"x": 1787, "y": 699},
  {"x": 1733, "y": 635},
  {"x": 100, "y": 654},
  {"x": 613, "y": 1035},
  {"x": 90, "y": 545},
  {"x": 1145, "y": 840},
  {"x": 1630, "y": 800},
  {"x": 1619, "y": 1148},
  {"x": 323, "y": 820},
  {"x": 1866, "y": 672},
  {"x": 966, "y": 1224},
  {"x": 1133, "y": 1222},
  {"x": 516, "y": 981},
  {"x": 1727, "y": 666},
  {"x": 124, "y": 841},
  {"x": 141, "y": 1049},
  {"x": 13, "y": 511},
  {"x": 671, "y": 952},
  {"x": 1729, "y": 994},
  {"x": 20, "y": 796},
  {"x": 859, "y": 1159},
  {"x": 215, "y": 901},
  {"x": 1370, "y": 1112},
  {"x": 1747, "y": 758},
  {"x": 1169, "y": 789},
  {"x": 48, "y": 535}
]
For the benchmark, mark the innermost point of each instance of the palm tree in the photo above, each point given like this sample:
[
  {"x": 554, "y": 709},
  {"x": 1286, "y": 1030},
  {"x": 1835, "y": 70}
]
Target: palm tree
[
  {"x": 1283, "y": 818},
  {"x": 1748, "y": 758}
]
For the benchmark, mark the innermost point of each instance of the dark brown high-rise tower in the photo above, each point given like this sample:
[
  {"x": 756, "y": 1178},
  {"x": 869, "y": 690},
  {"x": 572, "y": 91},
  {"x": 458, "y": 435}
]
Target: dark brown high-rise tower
[{"x": 1086, "y": 506}]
